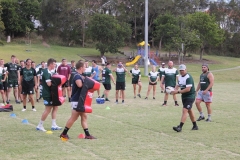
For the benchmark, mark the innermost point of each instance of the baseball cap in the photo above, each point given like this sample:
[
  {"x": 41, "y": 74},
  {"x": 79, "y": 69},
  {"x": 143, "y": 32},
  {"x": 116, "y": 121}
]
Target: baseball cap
[{"x": 182, "y": 67}]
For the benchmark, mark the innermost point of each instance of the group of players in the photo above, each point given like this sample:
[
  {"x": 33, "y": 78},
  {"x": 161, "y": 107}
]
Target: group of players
[{"x": 24, "y": 79}]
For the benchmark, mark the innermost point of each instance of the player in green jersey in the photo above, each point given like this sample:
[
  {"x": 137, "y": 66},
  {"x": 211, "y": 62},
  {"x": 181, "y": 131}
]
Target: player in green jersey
[
  {"x": 106, "y": 80},
  {"x": 120, "y": 80},
  {"x": 170, "y": 76},
  {"x": 28, "y": 82},
  {"x": 204, "y": 92},
  {"x": 187, "y": 89},
  {"x": 153, "y": 77},
  {"x": 47, "y": 96},
  {"x": 161, "y": 71},
  {"x": 135, "y": 73},
  {"x": 13, "y": 78}
]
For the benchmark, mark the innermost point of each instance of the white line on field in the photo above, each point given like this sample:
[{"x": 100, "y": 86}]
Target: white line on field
[
  {"x": 164, "y": 134},
  {"x": 85, "y": 150}
]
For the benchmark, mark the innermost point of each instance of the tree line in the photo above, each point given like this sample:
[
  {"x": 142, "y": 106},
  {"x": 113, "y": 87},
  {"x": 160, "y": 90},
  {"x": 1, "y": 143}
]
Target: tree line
[{"x": 184, "y": 26}]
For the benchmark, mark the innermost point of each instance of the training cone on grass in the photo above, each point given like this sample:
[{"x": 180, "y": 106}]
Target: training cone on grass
[
  {"x": 107, "y": 108},
  {"x": 64, "y": 139},
  {"x": 49, "y": 132},
  {"x": 24, "y": 121},
  {"x": 13, "y": 115},
  {"x": 81, "y": 136}
]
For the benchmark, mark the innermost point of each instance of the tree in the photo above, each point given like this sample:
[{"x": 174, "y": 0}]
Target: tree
[
  {"x": 1, "y": 22},
  {"x": 207, "y": 29},
  {"x": 17, "y": 15},
  {"x": 108, "y": 33}
]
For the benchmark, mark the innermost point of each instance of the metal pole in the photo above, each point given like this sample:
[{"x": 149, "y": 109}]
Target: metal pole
[{"x": 146, "y": 39}]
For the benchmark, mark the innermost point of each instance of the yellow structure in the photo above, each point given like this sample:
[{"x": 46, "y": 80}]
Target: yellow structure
[{"x": 133, "y": 61}]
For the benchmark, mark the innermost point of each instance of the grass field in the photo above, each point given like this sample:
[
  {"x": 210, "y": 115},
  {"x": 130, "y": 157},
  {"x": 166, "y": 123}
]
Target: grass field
[{"x": 137, "y": 129}]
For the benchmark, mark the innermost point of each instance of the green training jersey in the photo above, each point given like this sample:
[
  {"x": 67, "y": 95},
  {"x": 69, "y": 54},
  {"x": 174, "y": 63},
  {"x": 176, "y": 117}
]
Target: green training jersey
[
  {"x": 2, "y": 74},
  {"x": 106, "y": 79},
  {"x": 136, "y": 73},
  {"x": 28, "y": 77},
  {"x": 204, "y": 82},
  {"x": 13, "y": 70},
  {"x": 153, "y": 76},
  {"x": 161, "y": 71},
  {"x": 170, "y": 76},
  {"x": 46, "y": 77},
  {"x": 120, "y": 73},
  {"x": 184, "y": 82},
  {"x": 88, "y": 71}
]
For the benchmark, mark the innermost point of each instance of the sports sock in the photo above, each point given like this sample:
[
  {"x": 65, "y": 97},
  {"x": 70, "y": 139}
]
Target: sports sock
[
  {"x": 33, "y": 107},
  {"x": 41, "y": 123},
  {"x": 181, "y": 124},
  {"x": 165, "y": 102},
  {"x": 122, "y": 101},
  {"x": 116, "y": 100},
  {"x": 176, "y": 102},
  {"x": 201, "y": 114},
  {"x": 65, "y": 130},
  {"x": 54, "y": 122},
  {"x": 86, "y": 132},
  {"x": 194, "y": 123},
  {"x": 24, "y": 107},
  {"x": 209, "y": 116}
]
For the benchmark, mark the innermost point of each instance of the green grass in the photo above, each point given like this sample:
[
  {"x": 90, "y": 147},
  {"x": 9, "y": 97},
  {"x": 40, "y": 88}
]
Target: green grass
[{"x": 138, "y": 129}]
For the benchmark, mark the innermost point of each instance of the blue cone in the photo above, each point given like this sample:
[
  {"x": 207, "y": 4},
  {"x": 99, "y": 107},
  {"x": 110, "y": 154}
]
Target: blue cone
[
  {"x": 25, "y": 121},
  {"x": 13, "y": 115}
]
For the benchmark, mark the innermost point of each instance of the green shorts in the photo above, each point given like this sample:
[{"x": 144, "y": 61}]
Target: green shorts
[
  {"x": 12, "y": 83},
  {"x": 47, "y": 101}
]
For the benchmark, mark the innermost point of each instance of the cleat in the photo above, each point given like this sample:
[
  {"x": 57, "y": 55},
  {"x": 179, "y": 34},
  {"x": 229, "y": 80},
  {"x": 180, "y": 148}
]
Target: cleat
[
  {"x": 54, "y": 128},
  {"x": 24, "y": 109},
  {"x": 208, "y": 120},
  {"x": 139, "y": 95},
  {"x": 41, "y": 129},
  {"x": 122, "y": 101},
  {"x": 176, "y": 104},
  {"x": 116, "y": 102},
  {"x": 146, "y": 98},
  {"x": 195, "y": 128},
  {"x": 69, "y": 99},
  {"x": 164, "y": 104},
  {"x": 7, "y": 102},
  {"x": 177, "y": 129},
  {"x": 62, "y": 136},
  {"x": 90, "y": 137},
  {"x": 17, "y": 101},
  {"x": 99, "y": 97},
  {"x": 153, "y": 97},
  {"x": 161, "y": 91},
  {"x": 201, "y": 118},
  {"x": 134, "y": 97},
  {"x": 107, "y": 100},
  {"x": 34, "y": 110}
]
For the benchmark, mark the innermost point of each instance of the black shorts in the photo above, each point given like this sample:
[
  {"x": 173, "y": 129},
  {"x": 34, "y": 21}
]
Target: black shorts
[
  {"x": 187, "y": 103},
  {"x": 107, "y": 86},
  {"x": 134, "y": 81},
  {"x": 120, "y": 85},
  {"x": 5, "y": 86},
  {"x": 1, "y": 86},
  {"x": 27, "y": 90},
  {"x": 66, "y": 84},
  {"x": 153, "y": 84}
]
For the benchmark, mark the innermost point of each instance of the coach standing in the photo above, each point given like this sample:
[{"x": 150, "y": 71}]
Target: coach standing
[
  {"x": 186, "y": 84},
  {"x": 205, "y": 93}
]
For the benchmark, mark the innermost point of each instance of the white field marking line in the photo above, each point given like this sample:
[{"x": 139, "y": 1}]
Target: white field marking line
[
  {"x": 85, "y": 150},
  {"x": 227, "y": 69},
  {"x": 164, "y": 134}
]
